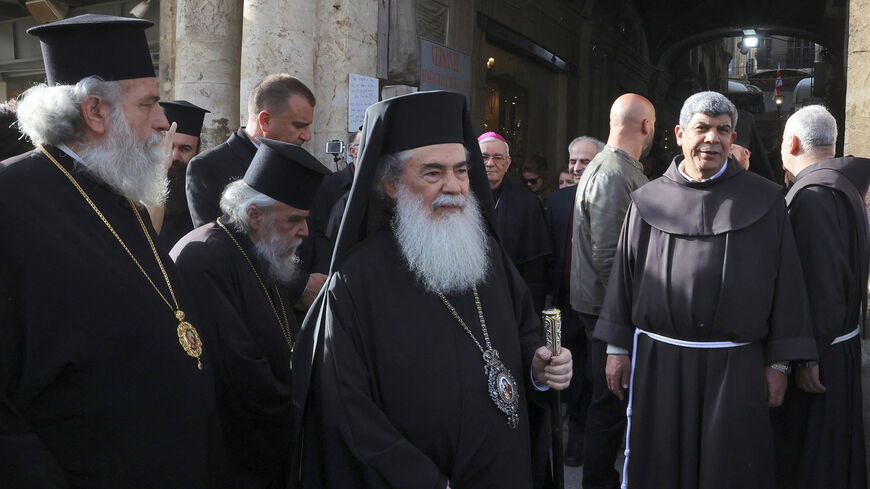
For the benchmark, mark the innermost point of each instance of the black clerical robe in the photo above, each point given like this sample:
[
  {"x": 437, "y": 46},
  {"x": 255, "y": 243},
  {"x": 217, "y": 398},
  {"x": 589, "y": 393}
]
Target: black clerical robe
[
  {"x": 705, "y": 261},
  {"x": 333, "y": 189},
  {"x": 95, "y": 389},
  {"x": 252, "y": 354},
  {"x": 400, "y": 397},
  {"x": 522, "y": 229},
  {"x": 209, "y": 172},
  {"x": 820, "y": 437}
]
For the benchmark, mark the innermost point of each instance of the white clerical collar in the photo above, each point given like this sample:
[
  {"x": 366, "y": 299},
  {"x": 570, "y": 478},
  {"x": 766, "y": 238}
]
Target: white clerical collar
[
  {"x": 690, "y": 179},
  {"x": 72, "y": 154}
]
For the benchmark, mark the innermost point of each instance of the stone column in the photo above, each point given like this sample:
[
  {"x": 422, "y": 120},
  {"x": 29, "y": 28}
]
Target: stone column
[
  {"x": 166, "y": 74},
  {"x": 208, "y": 47},
  {"x": 277, "y": 37},
  {"x": 857, "y": 137},
  {"x": 857, "y": 140},
  {"x": 346, "y": 42}
]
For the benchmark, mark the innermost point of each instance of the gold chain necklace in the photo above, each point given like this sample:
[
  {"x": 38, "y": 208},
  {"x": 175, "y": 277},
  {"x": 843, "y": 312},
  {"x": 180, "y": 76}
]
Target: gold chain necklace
[
  {"x": 188, "y": 337},
  {"x": 285, "y": 325},
  {"x": 502, "y": 387}
]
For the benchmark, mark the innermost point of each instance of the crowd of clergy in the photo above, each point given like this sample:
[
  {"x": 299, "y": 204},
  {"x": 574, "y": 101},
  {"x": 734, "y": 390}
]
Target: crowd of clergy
[{"x": 242, "y": 316}]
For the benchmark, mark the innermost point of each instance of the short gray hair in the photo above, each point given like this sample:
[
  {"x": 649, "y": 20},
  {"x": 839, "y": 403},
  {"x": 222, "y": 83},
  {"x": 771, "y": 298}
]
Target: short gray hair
[
  {"x": 235, "y": 200},
  {"x": 710, "y": 103},
  {"x": 52, "y": 114},
  {"x": 599, "y": 146},
  {"x": 814, "y": 126}
]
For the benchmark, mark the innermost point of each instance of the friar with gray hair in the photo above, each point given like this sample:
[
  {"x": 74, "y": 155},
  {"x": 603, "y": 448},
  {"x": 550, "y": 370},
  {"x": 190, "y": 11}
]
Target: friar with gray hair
[
  {"x": 105, "y": 382},
  {"x": 706, "y": 291},
  {"x": 819, "y": 428}
]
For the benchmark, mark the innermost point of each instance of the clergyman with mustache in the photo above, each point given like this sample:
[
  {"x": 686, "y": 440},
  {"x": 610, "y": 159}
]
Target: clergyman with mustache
[
  {"x": 238, "y": 268},
  {"x": 103, "y": 380},
  {"x": 414, "y": 364}
]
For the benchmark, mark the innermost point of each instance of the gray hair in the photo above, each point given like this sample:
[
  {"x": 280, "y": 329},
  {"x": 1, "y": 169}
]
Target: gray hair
[
  {"x": 710, "y": 103},
  {"x": 814, "y": 126},
  {"x": 390, "y": 167},
  {"x": 52, "y": 114},
  {"x": 598, "y": 144},
  {"x": 235, "y": 200}
]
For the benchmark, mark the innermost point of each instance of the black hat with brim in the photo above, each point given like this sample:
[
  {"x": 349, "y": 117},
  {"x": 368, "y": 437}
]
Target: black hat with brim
[
  {"x": 112, "y": 48},
  {"x": 285, "y": 172},
  {"x": 187, "y": 116}
]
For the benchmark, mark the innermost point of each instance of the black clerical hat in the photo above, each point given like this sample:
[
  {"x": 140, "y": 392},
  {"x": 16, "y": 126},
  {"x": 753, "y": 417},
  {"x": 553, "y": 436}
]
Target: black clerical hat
[
  {"x": 186, "y": 115},
  {"x": 285, "y": 172},
  {"x": 113, "y": 48},
  {"x": 403, "y": 123}
]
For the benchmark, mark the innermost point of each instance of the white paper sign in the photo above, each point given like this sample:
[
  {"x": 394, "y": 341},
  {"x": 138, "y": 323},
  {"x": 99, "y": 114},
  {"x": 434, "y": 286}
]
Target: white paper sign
[{"x": 362, "y": 92}]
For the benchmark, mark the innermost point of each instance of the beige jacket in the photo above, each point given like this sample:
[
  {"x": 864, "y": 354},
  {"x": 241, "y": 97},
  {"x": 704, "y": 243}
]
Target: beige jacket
[{"x": 603, "y": 197}]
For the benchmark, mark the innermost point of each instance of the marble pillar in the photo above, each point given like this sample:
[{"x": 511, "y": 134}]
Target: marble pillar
[
  {"x": 857, "y": 140},
  {"x": 857, "y": 137},
  {"x": 346, "y": 42},
  {"x": 277, "y": 37},
  {"x": 208, "y": 46},
  {"x": 166, "y": 72}
]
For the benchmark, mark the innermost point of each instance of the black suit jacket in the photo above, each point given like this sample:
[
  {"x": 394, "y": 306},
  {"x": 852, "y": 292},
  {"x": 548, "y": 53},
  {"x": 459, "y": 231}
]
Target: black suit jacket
[
  {"x": 210, "y": 171},
  {"x": 561, "y": 206}
]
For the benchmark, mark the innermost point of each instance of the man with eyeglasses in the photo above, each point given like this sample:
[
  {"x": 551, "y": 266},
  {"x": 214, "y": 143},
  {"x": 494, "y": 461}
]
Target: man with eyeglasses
[{"x": 520, "y": 217}]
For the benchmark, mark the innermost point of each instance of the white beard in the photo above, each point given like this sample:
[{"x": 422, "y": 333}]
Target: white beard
[
  {"x": 133, "y": 168},
  {"x": 279, "y": 256},
  {"x": 448, "y": 253}
]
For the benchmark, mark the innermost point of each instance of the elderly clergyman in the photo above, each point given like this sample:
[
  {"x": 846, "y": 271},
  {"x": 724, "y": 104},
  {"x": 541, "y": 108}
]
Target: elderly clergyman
[
  {"x": 706, "y": 291},
  {"x": 430, "y": 343},
  {"x": 819, "y": 428},
  {"x": 104, "y": 381},
  {"x": 238, "y": 268}
]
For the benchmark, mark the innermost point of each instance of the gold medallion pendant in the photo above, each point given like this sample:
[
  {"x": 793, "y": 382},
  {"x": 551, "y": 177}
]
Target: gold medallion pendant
[{"x": 189, "y": 338}]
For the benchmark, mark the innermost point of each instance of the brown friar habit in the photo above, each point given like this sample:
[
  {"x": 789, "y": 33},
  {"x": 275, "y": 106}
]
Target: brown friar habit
[
  {"x": 251, "y": 354},
  {"x": 95, "y": 389},
  {"x": 705, "y": 261},
  {"x": 820, "y": 437},
  {"x": 392, "y": 388}
]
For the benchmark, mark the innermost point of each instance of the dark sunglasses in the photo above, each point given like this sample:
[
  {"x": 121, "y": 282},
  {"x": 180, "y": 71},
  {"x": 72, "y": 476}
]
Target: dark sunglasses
[{"x": 531, "y": 181}]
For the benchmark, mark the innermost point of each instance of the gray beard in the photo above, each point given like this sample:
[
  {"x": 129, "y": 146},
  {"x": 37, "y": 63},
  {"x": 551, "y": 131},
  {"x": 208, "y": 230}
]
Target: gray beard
[
  {"x": 273, "y": 251},
  {"x": 132, "y": 167},
  {"x": 448, "y": 253}
]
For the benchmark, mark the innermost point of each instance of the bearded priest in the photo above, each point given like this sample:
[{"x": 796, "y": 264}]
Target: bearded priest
[
  {"x": 238, "y": 268},
  {"x": 103, "y": 381},
  {"x": 414, "y": 367}
]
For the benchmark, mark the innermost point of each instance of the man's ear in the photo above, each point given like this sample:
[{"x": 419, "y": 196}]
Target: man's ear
[
  {"x": 391, "y": 187},
  {"x": 255, "y": 217},
  {"x": 645, "y": 127},
  {"x": 95, "y": 114},
  {"x": 264, "y": 119},
  {"x": 794, "y": 145},
  {"x": 508, "y": 160},
  {"x": 678, "y": 132}
]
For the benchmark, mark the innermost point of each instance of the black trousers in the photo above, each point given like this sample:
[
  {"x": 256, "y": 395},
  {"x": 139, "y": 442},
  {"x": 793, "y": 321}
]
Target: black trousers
[
  {"x": 605, "y": 419},
  {"x": 578, "y": 395}
]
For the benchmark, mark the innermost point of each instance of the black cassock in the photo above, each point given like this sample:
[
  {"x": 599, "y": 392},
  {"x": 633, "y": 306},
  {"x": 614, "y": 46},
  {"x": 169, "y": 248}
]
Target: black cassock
[
  {"x": 400, "y": 398},
  {"x": 522, "y": 230},
  {"x": 820, "y": 437},
  {"x": 252, "y": 355},
  {"x": 705, "y": 261},
  {"x": 95, "y": 389}
]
